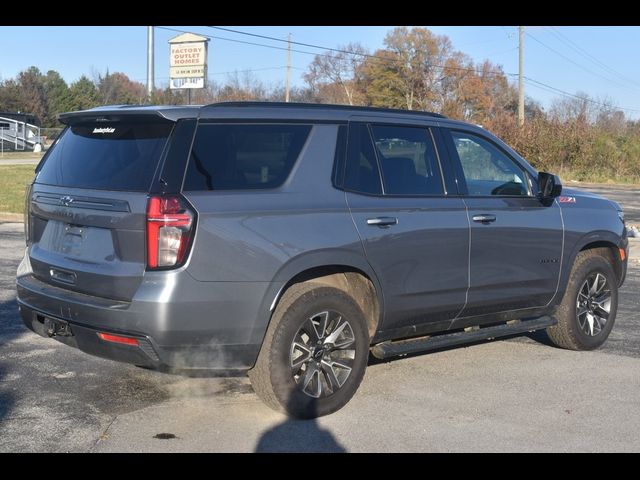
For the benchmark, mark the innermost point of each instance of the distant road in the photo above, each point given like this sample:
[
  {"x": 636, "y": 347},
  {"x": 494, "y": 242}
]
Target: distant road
[
  {"x": 19, "y": 161},
  {"x": 626, "y": 195}
]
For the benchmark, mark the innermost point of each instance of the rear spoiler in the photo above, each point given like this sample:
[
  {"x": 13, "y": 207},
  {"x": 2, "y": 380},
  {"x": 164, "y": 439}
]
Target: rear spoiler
[{"x": 130, "y": 113}]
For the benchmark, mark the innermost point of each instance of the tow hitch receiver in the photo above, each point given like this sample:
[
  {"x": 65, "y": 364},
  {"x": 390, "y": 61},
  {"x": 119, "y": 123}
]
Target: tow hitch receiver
[{"x": 57, "y": 328}]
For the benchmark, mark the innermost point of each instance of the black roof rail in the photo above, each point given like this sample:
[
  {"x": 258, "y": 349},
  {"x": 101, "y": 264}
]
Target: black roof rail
[{"x": 330, "y": 106}]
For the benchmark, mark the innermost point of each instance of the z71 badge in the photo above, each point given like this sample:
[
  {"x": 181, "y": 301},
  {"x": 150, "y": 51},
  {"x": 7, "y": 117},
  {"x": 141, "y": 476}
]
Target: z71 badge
[{"x": 567, "y": 199}]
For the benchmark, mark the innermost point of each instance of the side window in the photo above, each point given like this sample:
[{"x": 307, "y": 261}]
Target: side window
[
  {"x": 361, "y": 172},
  {"x": 408, "y": 160},
  {"x": 487, "y": 170},
  {"x": 241, "y": 156}
]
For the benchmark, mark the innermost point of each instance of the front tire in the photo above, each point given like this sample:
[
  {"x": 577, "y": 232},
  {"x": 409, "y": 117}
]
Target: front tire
[
  {"x": 588, "y": 310},
  {"x": 314, "y": 354}
]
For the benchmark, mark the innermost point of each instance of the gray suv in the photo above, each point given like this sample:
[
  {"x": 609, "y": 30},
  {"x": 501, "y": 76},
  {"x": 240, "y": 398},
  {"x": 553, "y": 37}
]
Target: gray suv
[{"x": 291, "y": 240}]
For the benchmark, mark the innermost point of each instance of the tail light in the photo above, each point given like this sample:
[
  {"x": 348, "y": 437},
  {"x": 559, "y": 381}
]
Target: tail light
[
  {"x": 170, "y": 225},
  {"x": 27, "y": 213}
]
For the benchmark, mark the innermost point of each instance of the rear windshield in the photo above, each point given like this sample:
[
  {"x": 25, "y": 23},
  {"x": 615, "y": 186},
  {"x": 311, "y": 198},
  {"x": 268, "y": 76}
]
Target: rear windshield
[
  {"x": 121, "y": 156},
  {"x": 242, "y": 156}
]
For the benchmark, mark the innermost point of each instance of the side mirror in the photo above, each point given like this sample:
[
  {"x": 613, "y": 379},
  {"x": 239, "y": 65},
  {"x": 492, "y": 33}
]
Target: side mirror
[{"x": 549, "y": 185}]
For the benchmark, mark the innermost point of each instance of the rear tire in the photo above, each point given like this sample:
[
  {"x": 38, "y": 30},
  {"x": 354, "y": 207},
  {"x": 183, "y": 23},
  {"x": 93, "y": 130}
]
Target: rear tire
[
  {"x": 588, "y": 310},
  {"x": 314, "y": 353}
]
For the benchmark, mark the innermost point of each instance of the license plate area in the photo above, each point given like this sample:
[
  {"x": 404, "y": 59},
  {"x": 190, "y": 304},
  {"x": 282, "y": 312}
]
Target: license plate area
[{"x": 86, "y": 244}]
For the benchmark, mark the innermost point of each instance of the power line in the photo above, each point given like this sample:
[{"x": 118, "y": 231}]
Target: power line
[
  {"x": 240, "y": 41},
  {"x": 521, "y": 33},
  {"x": 229, "y": 72},
  {"x": 377, "y": 58},
  {"x": 576, "y": 63},
  {"x": 275, "y": 39},
  {"x": 510, "y": 50},
  {"x": 267, "y": 37},
  {"x": 585, "y": 54},
  {"x": 338, "y": 50},
  {"x": 553, "y": 89},
  {"x": 509, "y": 34}
]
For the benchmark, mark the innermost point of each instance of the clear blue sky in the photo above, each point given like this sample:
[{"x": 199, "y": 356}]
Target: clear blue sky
[{"x": 601, "y": 61}]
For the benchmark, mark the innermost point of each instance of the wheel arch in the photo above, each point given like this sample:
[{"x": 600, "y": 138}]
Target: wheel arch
[
  {"x": 344, "y": 270},
  {"x": 605, "y": 241}
]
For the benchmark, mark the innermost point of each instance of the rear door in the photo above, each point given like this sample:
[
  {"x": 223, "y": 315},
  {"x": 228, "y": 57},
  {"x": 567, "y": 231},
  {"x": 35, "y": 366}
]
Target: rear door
[
  {"x": 415, "y": 236},
  {"x": 516, "y": 241},
  {"x": 88, "y": 205}
]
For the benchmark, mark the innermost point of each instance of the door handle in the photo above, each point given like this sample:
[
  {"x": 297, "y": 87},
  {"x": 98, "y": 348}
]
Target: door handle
[
  {"x": 382, "y": 221},
  {"x": 484, "y": 218}
]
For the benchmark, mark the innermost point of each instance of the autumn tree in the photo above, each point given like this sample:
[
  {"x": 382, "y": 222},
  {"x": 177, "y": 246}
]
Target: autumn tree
[
  {"x": 166, "y": 96},
  {"x": 409, "y": 69},
  {"x": 459, "y": 93},
  {"x": 569, "y": 109},
  {"x": 58, "y": 97},
  {"x": 33, "y": 97},
  {"x": 612, "y": 120},
  {"x": 335, "y": 75},
  {"x": 83, "y": 94},
  {"x": 380, "y": 82},
  {"x": 296, "y": 94},
  {"x": 116, "y": 88},
  {"x": 242, "y": 86},
  {"x": 10, "y": 98}
]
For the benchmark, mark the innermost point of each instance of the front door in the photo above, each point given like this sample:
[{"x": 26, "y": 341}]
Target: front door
[{"x": 516, "y": 241}]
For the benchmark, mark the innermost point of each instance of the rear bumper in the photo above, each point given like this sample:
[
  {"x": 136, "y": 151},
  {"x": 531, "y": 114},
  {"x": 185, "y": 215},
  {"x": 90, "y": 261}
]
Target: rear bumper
[
  {"x": 175, "y": 327},
  {"x": 87, "y": 340}
]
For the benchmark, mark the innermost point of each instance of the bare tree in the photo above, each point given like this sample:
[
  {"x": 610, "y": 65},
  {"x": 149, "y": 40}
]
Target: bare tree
[
  {"x": 336, "y": 73},
  {"x": 578, "y": 108},
  {"x": 242, "y": 86}
]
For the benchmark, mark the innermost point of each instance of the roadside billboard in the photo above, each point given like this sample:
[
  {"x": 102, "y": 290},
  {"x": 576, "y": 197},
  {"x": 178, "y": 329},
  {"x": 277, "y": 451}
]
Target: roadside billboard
[{"x": 188, "y": 61}]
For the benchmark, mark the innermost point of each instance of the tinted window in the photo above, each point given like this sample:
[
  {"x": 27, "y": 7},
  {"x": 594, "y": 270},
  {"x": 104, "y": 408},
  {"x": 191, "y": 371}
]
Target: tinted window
[
  {"x": 121, "y": 156},
  {"x": 408, "y": 161},
  {"x": 236, "y": 157},
  {"x": 487, "y": 170},
  {"x": 361, "y": 174}
]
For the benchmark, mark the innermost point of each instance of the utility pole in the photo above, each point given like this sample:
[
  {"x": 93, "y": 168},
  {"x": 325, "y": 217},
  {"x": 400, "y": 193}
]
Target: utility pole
[
  {"x": 521, "y": 78},
  {"x": 287, "y": 85},
  {"x": 150, "y": 81}
]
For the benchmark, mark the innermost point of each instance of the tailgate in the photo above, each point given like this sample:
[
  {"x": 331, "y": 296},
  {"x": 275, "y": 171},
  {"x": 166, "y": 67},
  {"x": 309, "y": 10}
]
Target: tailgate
[
  {"x": 88, "y": 241},
  {"x": 88, "y": 203}
]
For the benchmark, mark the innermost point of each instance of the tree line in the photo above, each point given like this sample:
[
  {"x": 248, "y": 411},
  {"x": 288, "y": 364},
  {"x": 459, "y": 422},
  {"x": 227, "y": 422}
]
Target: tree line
[{"x": 579, "y": 137}]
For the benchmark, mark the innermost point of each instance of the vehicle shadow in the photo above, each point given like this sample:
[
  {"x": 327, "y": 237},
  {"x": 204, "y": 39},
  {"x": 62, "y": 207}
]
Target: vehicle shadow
[
  {"x": 293, "y": 435},
  {"x": 7, "y": 398},
  {"x": 298, "y": 436}
]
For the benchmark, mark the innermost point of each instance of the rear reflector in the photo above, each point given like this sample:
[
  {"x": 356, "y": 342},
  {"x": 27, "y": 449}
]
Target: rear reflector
[{"x": 107, "y": 337}]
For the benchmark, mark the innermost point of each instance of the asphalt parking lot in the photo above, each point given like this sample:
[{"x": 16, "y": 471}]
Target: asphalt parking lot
[{"x": 510, "y": 395}]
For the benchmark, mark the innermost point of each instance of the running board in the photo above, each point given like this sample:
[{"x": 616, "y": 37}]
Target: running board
[{"x": 473, "y": 334}]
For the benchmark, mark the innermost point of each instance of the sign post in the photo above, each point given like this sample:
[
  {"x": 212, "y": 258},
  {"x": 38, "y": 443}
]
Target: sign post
[{"x": 188, "y": 62}]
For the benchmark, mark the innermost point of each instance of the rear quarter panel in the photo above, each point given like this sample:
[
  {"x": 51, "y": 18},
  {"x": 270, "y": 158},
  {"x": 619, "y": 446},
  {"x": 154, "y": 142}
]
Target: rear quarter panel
[{"x": 269, "y": 236}]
